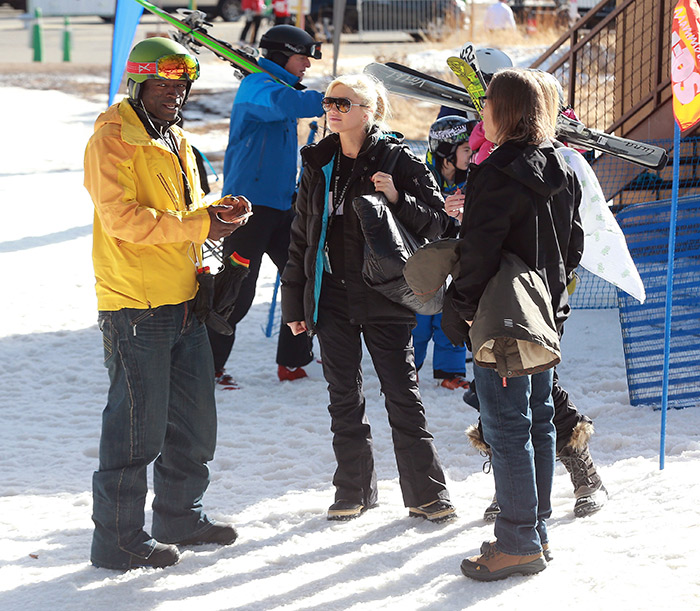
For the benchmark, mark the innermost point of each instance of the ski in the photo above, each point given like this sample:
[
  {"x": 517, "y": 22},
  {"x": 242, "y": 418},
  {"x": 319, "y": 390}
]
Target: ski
[
  {"x": 466, "y": 68},
  {"x": 430, "y": 80},
  {"x": 192, "y": 33},
  {"x": 468, "y": 54},
  {"x": 569, "y": 130},
  {"x": 578, "y": 135},
  {"x": 470, "y": 80},
  {"x": 406, "y": 82}
]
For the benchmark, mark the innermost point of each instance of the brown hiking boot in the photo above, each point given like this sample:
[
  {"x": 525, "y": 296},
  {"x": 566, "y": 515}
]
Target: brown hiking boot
[
  {"x": 494, "y": 564},
  {"x": 546, "y": 552}
]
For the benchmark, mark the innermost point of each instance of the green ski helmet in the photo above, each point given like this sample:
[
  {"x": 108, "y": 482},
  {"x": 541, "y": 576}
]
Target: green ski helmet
[{"x": 159, "y": 58}]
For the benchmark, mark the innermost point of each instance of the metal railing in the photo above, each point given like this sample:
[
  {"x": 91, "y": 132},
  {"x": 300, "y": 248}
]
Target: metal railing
[{"x": 616, "y": 70}]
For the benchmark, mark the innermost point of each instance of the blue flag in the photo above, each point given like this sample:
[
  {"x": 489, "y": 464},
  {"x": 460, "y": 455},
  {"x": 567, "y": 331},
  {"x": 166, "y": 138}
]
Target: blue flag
[{"x": 126, "y": 19}]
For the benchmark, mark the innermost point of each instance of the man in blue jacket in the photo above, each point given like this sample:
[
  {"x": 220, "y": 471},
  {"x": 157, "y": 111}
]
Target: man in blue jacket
[{"x": 261, "y": 163}]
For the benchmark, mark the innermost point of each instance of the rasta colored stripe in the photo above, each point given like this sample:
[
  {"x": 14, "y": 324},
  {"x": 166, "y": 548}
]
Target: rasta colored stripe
[{"x": 239, "y": 261}]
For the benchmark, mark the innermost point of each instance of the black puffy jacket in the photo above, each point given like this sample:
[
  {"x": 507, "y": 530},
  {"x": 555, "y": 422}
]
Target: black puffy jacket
[
  {"x": 523, "y": 199},
  {"x": 420, "y": 209}
]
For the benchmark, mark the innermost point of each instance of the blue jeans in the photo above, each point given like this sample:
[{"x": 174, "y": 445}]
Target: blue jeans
[
  {"x": 161, "y": 408},
  {"x": 517, "y": 423}
]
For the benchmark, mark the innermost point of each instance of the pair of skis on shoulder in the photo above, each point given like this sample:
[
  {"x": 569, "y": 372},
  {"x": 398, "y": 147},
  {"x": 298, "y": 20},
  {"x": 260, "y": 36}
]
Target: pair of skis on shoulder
[
  {"x": 407, "y": 82},
  {"x": 192, "y": 33}
]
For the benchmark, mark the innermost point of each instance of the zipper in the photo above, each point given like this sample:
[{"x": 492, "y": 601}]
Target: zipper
[{"x": 140, "y": 318}]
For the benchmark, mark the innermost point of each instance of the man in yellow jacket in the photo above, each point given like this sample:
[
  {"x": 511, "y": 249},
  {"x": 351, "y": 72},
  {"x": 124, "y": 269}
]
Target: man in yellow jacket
[{"x": 150, "y": 223}]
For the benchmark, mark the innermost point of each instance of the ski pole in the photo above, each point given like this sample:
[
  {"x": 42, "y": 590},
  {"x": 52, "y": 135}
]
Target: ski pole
[
  {"x": 271, "y": 316},
  {"x": 211, "y": 167}
]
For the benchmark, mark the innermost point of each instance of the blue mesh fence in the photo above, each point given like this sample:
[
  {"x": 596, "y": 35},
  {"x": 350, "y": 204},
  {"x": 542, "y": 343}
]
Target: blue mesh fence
[
  {"x": 592, "y": 292},
  {"x": 646, "y": 227}
]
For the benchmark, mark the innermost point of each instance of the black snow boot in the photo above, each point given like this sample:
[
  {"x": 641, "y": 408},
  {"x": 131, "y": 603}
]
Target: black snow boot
[
  {"x": 589, "y": 491},
  {"x": 492, "y": 510}
]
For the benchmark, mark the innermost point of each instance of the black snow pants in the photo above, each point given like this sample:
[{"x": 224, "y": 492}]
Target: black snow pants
[
  {"x": 420, "y": 473},
  {"x": 266, "y": 232}
]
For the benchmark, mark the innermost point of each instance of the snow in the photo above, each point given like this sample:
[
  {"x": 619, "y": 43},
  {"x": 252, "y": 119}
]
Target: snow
[{"x": 273, "y": 467}]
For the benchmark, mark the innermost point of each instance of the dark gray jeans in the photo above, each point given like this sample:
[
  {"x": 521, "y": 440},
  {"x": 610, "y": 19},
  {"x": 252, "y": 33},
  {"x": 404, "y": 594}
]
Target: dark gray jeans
[{"x": 161, "y": 408}]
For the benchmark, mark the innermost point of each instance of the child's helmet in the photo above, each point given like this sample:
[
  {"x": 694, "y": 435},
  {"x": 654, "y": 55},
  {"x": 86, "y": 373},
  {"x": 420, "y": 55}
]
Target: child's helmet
[{"x": 447, "y": 133}]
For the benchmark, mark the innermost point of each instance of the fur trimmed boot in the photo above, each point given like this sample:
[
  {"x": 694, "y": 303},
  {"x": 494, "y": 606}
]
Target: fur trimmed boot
[
  {"x": 589, "y": 491},
  {"x": 475, "y": 437}
]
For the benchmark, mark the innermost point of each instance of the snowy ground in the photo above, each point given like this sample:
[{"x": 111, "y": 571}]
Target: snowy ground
[{"x": 274, "y": 462}]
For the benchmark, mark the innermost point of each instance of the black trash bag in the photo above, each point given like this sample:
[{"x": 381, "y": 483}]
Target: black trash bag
[{"x": 217, "y": 295}]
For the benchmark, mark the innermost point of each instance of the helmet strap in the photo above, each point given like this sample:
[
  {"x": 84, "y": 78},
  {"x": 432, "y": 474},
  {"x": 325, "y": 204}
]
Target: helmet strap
[{"x": 133, "y": 89}]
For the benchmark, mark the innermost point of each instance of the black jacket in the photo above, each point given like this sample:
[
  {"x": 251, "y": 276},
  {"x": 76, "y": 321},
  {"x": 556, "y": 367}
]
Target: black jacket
[
  {"x": 420, "y": 209},
  {"x": 523, "y": 199}
]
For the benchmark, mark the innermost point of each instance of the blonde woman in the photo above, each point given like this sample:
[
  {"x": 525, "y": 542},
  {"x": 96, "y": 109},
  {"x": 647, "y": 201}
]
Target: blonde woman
[{"x": 323, "y": 293}]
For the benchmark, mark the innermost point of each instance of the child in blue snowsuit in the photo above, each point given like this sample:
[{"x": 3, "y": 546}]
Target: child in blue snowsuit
[{"x": 448, "y": 157}]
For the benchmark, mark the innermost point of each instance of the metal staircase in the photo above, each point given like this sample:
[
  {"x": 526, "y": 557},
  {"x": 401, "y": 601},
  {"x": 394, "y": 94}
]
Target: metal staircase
[{"x": 616, "y": 72}]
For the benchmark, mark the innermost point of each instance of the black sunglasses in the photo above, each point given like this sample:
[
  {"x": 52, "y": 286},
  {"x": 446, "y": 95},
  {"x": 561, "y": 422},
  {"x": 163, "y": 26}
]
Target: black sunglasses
[{"x": 343, "y": 105}]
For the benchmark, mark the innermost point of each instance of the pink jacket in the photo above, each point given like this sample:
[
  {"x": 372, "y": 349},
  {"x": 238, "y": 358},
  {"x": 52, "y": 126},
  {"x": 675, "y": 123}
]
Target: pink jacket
[{"x": 479, "y": 144}]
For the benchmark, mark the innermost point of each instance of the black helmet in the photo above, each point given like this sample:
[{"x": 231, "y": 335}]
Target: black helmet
[
  {"x": 447, "y": 133},
  {"x": 280, "y": 42}
]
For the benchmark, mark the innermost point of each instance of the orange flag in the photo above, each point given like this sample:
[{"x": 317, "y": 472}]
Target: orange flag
[{"x": 685, "y": 63}]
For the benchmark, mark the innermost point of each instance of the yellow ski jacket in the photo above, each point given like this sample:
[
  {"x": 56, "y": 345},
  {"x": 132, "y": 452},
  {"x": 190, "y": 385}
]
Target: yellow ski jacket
[{"x": 145, "y": 240}]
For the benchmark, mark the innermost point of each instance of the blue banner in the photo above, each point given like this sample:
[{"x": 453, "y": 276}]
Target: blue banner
[{"x": 126, "y": 19}]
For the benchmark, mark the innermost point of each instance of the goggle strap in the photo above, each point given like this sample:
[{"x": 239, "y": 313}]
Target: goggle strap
[
  {"x": 141, "y": 67},
  {"x": 312, "y": 50}
]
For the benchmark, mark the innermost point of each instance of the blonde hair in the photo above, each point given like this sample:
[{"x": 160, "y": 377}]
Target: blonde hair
[
  {"x": 520, "y": 108},
  {"x": 551, "y": 90},
  {"x": 370, "y": 92}
]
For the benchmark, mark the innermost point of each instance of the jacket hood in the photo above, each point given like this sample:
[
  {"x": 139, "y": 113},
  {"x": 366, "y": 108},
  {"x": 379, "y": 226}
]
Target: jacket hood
[{"x": 538, "y": 168}]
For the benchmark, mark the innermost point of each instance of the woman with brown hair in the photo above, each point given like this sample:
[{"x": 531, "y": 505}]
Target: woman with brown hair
[
  {"x": 509, "y": 205},
  {"x": 323, "y": 292}
]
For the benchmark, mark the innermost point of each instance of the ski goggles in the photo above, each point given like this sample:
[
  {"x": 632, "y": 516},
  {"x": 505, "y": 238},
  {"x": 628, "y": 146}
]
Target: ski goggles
[
  {"x": 170, "y": 67},
  {"x": 343, "y": 105},
  {"x": 314, "y": 51}
]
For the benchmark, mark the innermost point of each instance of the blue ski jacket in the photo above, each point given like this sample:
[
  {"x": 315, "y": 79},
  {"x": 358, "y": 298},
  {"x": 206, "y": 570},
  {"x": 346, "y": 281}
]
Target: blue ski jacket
[{"x": 261, "y": 156}]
